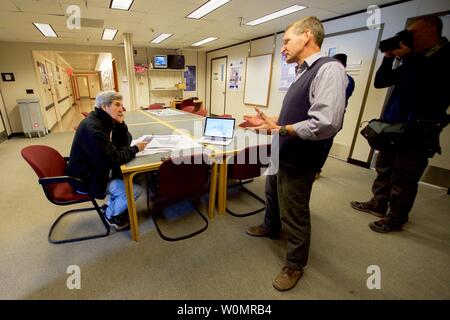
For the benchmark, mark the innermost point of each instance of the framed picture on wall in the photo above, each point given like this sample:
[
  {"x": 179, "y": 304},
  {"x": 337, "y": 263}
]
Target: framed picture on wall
[{"x": 42, "y": 73}]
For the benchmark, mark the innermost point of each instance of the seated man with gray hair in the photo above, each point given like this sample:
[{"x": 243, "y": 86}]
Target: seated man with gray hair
[{"x": 101, "y": 145}]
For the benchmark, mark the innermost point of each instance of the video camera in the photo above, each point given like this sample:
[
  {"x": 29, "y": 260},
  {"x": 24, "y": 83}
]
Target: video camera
[{"x": 404, "y": 36}]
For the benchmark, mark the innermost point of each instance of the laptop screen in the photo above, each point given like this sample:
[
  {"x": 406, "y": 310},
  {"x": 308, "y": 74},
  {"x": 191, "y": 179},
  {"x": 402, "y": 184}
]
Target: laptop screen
[{"x": 219, "y": 127}]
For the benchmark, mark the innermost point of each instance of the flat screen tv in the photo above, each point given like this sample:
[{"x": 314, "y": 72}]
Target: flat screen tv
[{"x": 160, "y": 61}]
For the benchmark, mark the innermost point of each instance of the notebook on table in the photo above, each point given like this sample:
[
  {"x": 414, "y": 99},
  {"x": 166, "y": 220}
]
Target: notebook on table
[{"x": 219, "y": 131}]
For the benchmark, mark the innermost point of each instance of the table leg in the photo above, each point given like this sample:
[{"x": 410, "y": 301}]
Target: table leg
[
  {"x": 222, "y": 197},
  {"x": 134, "y": 226},
  {"x": 212, "y": 190}
]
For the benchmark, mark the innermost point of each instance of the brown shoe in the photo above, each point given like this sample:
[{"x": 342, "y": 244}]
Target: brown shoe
[
  {"x": 287, "y": 278},
  {"x": 261, "y": 231}
]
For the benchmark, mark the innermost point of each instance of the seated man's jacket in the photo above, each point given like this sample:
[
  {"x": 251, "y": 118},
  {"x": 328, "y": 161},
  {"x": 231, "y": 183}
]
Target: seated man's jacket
[{"x": 99, "y": 148}]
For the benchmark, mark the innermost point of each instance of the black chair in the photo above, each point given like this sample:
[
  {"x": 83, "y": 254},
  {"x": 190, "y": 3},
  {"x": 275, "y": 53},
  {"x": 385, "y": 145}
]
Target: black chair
[
  {"x": 178, "y": 179},
  {"x": 244, "y": 167},
  {"x": 50, "y": 166}
]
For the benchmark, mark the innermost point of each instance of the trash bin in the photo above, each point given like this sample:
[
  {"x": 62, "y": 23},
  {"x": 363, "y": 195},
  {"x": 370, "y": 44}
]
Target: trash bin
[{"x": 31, "y": 116}]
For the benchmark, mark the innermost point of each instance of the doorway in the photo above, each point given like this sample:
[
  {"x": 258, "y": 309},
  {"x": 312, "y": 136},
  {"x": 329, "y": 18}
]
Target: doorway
[
  {"x": 218, "y": 85},
  {"x": 116, "y": 81},
  {"x": 83, "y": 87}
]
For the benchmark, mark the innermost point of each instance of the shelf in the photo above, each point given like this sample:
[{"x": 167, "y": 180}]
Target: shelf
[
  {"x": 168, "y": 89},
  {"x": 168, "y": 70}
]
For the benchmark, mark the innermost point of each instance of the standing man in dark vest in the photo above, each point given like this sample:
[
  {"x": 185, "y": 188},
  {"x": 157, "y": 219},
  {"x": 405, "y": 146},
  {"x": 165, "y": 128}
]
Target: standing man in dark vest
[{"x": 312, "y": 113}]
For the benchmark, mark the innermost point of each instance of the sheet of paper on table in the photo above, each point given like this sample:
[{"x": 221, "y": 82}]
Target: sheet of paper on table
[
  {"x": 165, "y": 143},
  {"x": 166, "y": 112}
]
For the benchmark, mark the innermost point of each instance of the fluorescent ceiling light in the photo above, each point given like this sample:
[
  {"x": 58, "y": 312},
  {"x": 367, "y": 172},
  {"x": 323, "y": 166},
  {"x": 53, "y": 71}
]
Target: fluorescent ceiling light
[
  {"x": 109, "y": 34},
  {"x": 121, "y": 4},
  {"x": 161, "y": 37},
  {"x": 46, "y": 29},
  {"x": 275, "y": 15},
  {"x": 207, "y": 8},
  {"x": 204, "y": 41}
]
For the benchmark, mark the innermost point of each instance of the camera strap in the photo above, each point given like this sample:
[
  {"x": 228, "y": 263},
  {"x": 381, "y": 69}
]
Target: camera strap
[{"x": 431, "y": 52}]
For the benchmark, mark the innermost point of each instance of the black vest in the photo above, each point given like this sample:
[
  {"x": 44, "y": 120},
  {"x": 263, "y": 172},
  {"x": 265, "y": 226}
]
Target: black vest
[{"x": 296, "y": 153}]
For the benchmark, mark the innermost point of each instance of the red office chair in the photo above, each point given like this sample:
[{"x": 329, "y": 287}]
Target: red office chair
[
  {"x": 244, "y": 166},
  {"x": 201, "y": 112},
  {"x": 188, "y": 109},
  {"x": 50, "y": 167},
  {"x": 178, "y": 179},
  {"x": 155, "y": 106},
  {"x": 226, "y": 115},
  {"x": 187, "y": 102}
]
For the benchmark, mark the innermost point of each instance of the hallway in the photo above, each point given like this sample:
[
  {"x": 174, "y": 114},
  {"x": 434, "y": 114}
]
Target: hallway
[{"x": 73, "y": 117}]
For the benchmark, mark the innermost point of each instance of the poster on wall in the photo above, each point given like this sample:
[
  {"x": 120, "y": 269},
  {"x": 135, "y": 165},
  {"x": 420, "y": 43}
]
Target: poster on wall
[
  {"x": 190, "y": 76},
  {"x": 332, "y": 52},
  {"x": 287, "y": 74},
  {"x": 235, "y": 80},
  {"x": 42, "y": 73}
]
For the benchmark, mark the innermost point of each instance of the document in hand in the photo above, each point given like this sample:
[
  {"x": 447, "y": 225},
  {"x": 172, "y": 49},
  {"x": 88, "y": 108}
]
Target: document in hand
[{"x": 144, "y": 138}]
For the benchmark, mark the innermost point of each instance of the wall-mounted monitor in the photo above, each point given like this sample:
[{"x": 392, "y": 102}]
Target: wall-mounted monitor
[{"x": 160, "y": 61}]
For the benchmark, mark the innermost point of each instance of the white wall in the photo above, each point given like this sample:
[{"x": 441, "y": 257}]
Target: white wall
[{"x": 17, "y": 58}]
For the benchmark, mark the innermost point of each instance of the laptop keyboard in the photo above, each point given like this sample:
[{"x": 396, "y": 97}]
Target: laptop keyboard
[{"x": 219, "y": 141}]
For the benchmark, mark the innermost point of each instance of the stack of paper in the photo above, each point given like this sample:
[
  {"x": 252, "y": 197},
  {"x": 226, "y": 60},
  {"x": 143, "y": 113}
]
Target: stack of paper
[{"x": 167, "y": 143}]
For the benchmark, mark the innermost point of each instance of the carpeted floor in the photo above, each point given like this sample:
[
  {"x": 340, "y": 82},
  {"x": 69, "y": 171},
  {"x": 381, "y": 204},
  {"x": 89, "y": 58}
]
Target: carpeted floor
[{"x": 223, "y": 262}]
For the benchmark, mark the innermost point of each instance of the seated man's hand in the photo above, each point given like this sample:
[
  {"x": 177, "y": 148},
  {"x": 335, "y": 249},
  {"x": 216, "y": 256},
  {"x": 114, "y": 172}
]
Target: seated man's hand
[{"x": 141, "y": 145}]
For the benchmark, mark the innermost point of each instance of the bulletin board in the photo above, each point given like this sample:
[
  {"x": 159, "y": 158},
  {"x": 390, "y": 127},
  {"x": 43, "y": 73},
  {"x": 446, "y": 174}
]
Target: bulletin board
[{"x": 257, "y": 80}]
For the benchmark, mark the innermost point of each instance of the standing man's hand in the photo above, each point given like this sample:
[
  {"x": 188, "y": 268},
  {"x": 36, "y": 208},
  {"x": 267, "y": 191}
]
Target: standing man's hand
[{"x": 268, "y": 123}]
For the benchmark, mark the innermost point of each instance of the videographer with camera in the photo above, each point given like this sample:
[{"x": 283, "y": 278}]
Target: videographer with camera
[{"x": 419, "y": 99}]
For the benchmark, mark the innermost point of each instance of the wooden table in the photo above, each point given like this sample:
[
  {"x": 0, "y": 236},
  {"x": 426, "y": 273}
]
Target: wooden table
[{"x": 191, "y": 125}]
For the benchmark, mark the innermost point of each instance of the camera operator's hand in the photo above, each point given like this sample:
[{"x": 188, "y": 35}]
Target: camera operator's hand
[{"x": 402, "y": 51}]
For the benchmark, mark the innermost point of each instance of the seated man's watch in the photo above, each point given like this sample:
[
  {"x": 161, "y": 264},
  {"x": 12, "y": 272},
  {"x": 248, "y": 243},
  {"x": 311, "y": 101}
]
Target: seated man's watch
[{"x": 283, "y": 131}]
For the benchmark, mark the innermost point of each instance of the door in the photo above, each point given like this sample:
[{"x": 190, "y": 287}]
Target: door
[
  {"x": 218, "y": 85},
  {"x": 94, "y": 85},
  {"x": 53, "y": 87},
  {"x": 83, "y": 87},
  {"x": 115, "y": 76}
]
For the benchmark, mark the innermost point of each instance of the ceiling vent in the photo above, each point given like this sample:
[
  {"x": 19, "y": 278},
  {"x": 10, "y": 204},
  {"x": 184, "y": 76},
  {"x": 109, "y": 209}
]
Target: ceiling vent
[{"x": 92, "y": 23}]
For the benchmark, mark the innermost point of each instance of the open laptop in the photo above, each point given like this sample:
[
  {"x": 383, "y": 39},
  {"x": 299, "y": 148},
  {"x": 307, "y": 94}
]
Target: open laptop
[{"x": 219, "y": 131}]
